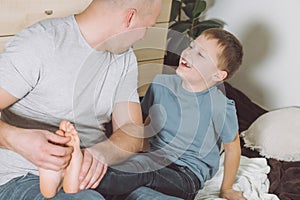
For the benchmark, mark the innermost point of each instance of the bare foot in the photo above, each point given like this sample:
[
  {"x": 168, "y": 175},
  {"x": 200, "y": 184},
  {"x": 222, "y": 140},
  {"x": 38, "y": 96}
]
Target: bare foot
[
  {"x": 71, "y": 176},
  {"x": 50, "y": 181}
]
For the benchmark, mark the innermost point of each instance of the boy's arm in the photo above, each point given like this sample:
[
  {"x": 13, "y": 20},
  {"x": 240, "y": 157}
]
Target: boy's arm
[{"x": 231, "y": 165}]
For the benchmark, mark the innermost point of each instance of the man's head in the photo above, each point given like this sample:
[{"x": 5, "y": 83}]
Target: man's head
[
  {"x": 128, "y": 22},
  {"x": 213, "y": 57}
]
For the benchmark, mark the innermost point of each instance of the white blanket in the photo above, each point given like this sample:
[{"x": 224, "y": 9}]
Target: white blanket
[{"x": 251, "y": 179}]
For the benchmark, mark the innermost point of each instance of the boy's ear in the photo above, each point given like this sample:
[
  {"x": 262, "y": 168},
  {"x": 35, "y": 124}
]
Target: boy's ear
[
  {"x": 129, "y": 16},
  {"x": 220, "y": 75}
]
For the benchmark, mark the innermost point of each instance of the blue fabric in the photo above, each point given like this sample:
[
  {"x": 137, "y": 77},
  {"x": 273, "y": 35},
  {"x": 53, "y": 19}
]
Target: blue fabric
[
  {"x": 144, "y": 193},
  {"x": 27, "y": 188},
  {"x": 190, "y": 126},
  {"x": 144, "y": 169}
]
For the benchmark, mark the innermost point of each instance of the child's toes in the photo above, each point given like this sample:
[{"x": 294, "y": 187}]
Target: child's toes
[
  {"x": 63, "y": 125},
  {"x": 60, "y": 132}
]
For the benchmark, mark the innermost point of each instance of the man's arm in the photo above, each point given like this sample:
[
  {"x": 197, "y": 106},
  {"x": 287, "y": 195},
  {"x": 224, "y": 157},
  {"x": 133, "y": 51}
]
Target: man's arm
[
  {"x": 147, "y": 133},
  {"x": 231, "y": 165},
  {"x": 126, "y": 139},
  {"x": 6, "y": 99},
  {"x": 37, "y": 146}
]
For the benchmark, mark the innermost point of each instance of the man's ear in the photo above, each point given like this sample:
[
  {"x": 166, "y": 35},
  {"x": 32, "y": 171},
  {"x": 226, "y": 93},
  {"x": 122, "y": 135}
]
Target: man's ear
[
  {"x": 220, "y": 75},
  {"x": 131, "y": 13}
]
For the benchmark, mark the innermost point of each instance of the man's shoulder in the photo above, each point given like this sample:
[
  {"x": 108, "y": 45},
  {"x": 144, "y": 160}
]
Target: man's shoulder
[
  {"x": 49, "y": 25},
  {"x": 52, "y": 23},
  {"x": 39, "y": 32}
]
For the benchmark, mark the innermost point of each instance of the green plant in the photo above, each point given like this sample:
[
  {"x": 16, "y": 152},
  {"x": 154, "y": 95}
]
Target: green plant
[{"x": 186, "y": 23}]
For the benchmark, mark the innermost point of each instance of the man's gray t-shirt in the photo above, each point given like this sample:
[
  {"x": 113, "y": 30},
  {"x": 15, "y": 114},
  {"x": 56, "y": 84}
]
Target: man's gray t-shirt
[{"x": 57, "y": 75}]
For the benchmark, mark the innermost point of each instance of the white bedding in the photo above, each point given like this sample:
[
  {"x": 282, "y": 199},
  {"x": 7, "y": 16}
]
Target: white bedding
[{"x": 251, "y": 179}]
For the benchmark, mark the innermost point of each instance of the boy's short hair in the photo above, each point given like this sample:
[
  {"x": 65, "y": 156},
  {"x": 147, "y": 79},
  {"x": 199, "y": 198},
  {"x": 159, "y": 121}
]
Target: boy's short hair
[{"x": 231, "y": 54}]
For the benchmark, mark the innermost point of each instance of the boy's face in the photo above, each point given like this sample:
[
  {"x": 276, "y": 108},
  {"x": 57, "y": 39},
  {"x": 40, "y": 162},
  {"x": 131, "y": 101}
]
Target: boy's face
[{"x": 199, "y": 61}]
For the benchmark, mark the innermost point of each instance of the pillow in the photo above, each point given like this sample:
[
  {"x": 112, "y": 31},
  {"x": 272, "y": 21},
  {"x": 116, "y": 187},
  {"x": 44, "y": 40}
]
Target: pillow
[{"x": 276, "y": 134}]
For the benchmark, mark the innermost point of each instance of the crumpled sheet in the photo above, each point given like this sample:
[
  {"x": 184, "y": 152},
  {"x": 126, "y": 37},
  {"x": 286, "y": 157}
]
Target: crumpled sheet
[{"x": 251, "y": 179}]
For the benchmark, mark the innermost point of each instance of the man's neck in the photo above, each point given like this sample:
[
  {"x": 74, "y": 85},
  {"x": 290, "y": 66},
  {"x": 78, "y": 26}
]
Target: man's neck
[
  {"x": 88, "y": 29},
  {"x": 96, "y": 24}
]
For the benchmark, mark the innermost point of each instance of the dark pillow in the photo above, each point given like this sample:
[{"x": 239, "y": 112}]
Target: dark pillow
[{"x": 247, "y": 110}]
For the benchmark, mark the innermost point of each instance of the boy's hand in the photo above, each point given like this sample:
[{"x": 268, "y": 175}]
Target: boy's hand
[{"x": 231, "y": 194}]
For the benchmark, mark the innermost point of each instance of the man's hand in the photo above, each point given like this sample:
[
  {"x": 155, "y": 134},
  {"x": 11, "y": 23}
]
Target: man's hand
[
  {"x": 92, "y": 170},
  {"x": 231, "y": 194},
  {"x": 43, "y": 148}
]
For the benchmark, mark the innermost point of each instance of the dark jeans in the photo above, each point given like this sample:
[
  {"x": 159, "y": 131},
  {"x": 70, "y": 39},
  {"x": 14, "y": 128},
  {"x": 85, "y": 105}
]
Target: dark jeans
[
  {"x": 28, "y": 188},
  {"x": 172, "y": 180}
]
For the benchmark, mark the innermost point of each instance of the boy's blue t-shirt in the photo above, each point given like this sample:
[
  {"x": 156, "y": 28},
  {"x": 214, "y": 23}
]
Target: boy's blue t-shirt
[{"x": 190, "y": 126}]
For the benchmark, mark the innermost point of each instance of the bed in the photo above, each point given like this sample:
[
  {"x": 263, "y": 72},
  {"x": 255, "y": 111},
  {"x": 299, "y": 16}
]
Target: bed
[{"x": 259, "y": 176}]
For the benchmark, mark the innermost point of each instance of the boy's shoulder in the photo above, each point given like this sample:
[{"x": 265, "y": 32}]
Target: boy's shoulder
[{"x": 166, "y": 82}]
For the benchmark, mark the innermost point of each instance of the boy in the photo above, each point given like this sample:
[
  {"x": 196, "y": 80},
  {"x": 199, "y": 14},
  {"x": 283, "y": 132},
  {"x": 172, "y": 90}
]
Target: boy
[{"x": 190, "y": 117}]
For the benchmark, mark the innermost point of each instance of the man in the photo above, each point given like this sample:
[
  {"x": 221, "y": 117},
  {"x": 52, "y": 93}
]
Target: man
[{"x": 79, "y": 68}]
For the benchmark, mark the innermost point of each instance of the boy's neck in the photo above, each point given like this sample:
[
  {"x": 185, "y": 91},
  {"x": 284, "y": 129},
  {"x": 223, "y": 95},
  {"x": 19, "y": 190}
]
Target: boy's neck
[{"x": 199, "y": 87}]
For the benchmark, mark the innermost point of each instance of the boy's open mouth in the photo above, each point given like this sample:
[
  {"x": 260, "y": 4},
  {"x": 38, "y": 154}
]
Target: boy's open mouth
[{"x": 184, "y": 63}]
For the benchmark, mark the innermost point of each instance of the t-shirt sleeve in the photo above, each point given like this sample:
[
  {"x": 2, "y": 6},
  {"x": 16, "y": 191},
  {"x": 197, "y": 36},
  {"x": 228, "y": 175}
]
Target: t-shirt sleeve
[
  {"x": 230, "y": 126},
  {"x": 19, "y": 65},
  {"x": 127, "y": 89}
]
